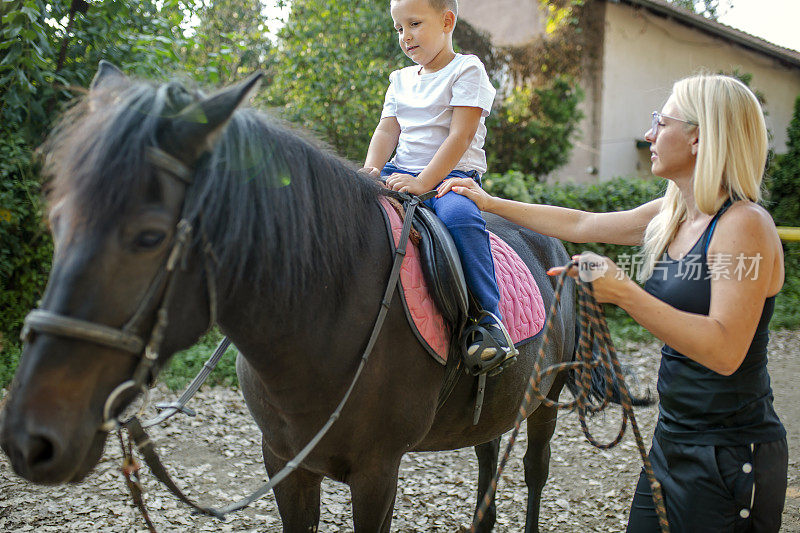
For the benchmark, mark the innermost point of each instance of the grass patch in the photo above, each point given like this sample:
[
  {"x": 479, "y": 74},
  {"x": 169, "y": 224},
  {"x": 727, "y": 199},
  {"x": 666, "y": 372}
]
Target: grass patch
[
  {"x": 625, "y": 329},
  {"x": 787, "y": 304}
]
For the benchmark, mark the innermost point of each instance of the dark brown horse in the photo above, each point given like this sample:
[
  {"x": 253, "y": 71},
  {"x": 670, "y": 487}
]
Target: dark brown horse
[{"x": 290, "y": 254}]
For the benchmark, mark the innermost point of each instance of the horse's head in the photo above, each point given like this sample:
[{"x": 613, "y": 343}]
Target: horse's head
[{"x": 125, "y": 261}]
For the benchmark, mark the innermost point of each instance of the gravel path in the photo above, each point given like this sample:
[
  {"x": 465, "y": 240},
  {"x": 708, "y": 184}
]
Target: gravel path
[{"x": 216, "y": 456}]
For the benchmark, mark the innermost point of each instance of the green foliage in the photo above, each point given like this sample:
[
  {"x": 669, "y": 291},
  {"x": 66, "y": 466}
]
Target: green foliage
[
  {"x": 185, "y": 365},
  {"x": 335, "y": 59},
  {"x": 783, "y": 202},
  {"x": 613, "y": 195},
  {"x": 787, "y": 304},
  {"x": 26, "y": 245},
  {"x": 783, "y": 180},
  {"x": 48, "y": 52},
  {"x": 708, "y": 8},
  {"x": 228, "y": 42},
  {"x": 532, "y": 130}
]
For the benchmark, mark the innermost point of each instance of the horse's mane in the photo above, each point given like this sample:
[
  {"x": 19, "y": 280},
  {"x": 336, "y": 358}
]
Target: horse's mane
[{"x": 278, "y": 209}]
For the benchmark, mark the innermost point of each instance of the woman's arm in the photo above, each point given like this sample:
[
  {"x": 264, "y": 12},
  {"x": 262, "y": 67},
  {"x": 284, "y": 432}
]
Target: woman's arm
[
  {"x": 619, "y": 227},
  {"x": 745, "y": 238},
  {"x": 383, "y": 142}
]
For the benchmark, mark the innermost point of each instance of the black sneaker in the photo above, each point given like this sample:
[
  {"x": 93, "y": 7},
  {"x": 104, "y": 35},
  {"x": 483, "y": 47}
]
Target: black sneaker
[{"x": 489, "y": 351}]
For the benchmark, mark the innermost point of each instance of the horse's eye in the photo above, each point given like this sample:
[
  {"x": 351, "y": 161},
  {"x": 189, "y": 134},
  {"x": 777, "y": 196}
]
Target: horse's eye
[{"x": 149, "y": 239}]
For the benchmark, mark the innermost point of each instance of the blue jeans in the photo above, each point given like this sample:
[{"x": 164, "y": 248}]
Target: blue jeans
[{"x": 468, "y": 228}]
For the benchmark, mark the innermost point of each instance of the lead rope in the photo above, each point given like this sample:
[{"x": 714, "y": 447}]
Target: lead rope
[{"x": 594, "y": 330}]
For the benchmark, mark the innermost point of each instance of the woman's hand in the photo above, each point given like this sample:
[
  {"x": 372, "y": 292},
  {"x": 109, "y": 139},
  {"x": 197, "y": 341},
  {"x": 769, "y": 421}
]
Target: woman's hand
[
  {"x": 608, "y": 280},
  {"x": 466, "y": 187}
]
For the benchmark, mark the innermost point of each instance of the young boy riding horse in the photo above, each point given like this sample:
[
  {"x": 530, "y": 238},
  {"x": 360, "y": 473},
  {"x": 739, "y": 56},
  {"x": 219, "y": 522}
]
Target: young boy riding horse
[{"x": 433, "y": 121}]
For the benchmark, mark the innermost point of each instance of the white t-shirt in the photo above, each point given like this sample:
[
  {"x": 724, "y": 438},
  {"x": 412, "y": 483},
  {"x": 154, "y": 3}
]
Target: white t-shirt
[{"x": 423, "y": 105}]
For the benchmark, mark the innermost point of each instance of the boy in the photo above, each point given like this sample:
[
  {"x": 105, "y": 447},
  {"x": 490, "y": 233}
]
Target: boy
[{"x": 434, "y": 115}]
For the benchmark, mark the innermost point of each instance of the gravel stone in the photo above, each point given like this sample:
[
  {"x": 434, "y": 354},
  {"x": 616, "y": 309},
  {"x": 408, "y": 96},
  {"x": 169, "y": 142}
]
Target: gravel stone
[{"x": 216, "y": 458}]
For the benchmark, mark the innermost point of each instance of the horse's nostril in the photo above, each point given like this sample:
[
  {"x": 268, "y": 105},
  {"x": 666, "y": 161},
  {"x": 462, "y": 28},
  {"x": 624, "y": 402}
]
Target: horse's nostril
[{"x": 40, "y": 451}]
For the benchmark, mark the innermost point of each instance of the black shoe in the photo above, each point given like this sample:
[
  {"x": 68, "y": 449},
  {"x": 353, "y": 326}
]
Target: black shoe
[{"x": 490, "y": 352}]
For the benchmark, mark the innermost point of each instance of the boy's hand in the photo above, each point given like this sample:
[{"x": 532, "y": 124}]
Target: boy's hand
[
  {"x": 405, "y": 183},
  {"x": 372, "y": 172}
]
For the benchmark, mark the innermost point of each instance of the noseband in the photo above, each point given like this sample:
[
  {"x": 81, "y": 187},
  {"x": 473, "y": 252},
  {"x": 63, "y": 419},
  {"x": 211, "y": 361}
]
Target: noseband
[{"x": 159, "y": 294}]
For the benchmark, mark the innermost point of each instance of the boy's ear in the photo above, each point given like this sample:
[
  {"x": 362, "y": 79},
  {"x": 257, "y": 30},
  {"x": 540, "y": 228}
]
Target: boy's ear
[{"x": 449, "y": 21}]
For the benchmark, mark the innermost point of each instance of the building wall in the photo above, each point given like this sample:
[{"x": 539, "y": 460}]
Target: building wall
[
  {"x": 632, "y": 59},
  {"x": 644, "y": 54},
  {"x": 509, "y": 22}
]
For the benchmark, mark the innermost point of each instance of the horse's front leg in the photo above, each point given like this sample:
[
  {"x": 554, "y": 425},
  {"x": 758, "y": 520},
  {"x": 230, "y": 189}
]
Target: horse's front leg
[
  {"x": 487, "y": 465},
  {"x": 373, "y": 491},
  {"x": 297, "y": 495}
]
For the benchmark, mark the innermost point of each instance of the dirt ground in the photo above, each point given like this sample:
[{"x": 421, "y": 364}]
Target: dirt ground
[{"x": 216, "y": 457}]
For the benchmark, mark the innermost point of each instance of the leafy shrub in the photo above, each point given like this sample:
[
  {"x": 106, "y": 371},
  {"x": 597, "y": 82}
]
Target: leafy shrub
[
  {"x": 783, "y": 179},
  {"x": 783, "y": 202},
  {"x": 614, "y": 195},
  {"x": 532, "y": 130},
  {"x": 26, "y": 245},
  {"x": 787, "y": 304},
  {"x": 186, "y": 364}
]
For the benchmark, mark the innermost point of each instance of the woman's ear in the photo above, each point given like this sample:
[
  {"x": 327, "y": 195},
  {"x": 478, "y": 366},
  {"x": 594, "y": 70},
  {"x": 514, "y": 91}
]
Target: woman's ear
[{"x": 695, "y": 143}]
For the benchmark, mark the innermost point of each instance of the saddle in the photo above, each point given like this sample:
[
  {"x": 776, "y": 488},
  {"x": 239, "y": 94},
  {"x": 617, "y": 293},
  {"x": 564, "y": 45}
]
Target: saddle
[
  {"x": 436, "y": 299},
  {"x": 435, "y": 259},
  {"x": 441, "y": 267}
]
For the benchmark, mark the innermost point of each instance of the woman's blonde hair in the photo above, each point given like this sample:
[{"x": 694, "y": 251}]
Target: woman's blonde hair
[{"x": 731, "y": 155}]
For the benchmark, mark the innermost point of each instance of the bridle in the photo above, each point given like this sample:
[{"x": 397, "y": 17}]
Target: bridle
[{"x": 158, "y": 295}]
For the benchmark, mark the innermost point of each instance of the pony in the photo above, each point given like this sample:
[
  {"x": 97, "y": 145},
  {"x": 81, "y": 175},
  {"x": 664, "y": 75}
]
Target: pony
[{"x": 289, "y": 256}]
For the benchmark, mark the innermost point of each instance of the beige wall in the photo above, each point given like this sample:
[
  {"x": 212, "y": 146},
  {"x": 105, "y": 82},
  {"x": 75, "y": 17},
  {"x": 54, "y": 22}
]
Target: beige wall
[
  {"x": 645, "y": 53},
  {"x": 628, "y": 73},
  {"x": 509, "y": 22}
]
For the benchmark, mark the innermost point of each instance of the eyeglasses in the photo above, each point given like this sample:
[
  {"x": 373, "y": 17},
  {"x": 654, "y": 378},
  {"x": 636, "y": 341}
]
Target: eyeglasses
[{"x": 658, "y": 118}]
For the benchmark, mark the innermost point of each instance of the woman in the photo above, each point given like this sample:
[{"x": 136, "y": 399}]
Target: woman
[{"x": 713, "y": 263}]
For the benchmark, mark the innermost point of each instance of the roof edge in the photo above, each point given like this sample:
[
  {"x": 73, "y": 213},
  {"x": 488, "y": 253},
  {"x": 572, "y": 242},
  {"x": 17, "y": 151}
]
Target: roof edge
[{"x": 661, "y": 7}]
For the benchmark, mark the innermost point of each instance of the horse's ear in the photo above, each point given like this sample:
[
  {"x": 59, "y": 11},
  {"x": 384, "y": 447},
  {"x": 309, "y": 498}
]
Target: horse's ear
[
  {"x": 107, "y": 74},
  {"x": 194, "y": 130}
]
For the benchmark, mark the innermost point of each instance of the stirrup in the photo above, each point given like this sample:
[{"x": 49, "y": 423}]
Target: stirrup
[{"x": 484, "y": 354}]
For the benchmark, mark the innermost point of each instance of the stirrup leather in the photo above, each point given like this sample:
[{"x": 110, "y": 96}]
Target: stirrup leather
[{"x": 473, "y": 362}]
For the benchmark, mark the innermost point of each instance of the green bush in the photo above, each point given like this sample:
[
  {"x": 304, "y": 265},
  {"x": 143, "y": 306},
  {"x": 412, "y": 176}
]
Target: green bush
[
  {"x": 26, "y": 245},
  {"x": 532, "y": 130},
  {"x": 787, "y": 304},
  {"x": 613, "y": 195},
  {"x": 783, "y": 178},
  {"x": 186, "y": 364},
  {"x": 783, "y": 202}
]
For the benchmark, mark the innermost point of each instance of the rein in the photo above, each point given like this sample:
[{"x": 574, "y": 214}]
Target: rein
[
  {"x": 146, "y": 447},
  {"x": 127, "y": 340},
  {"x": 594, "y": 330}
]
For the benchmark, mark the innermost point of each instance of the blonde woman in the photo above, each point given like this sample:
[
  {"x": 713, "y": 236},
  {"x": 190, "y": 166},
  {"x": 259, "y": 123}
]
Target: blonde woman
[{"x": 713, "y": 264}]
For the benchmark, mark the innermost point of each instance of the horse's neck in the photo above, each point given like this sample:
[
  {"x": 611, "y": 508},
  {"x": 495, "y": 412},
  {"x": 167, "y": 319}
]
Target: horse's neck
[{"x": 327, "y": 325}]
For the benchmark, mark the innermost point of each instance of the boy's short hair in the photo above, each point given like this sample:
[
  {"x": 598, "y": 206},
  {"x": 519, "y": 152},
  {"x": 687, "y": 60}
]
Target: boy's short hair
[{"x": 443, "y": 5}]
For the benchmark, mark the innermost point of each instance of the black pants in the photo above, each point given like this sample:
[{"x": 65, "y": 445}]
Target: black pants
[{"x": 714, "y": 488}]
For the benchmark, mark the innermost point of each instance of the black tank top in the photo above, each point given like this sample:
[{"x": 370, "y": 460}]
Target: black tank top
[{"x": 698, "y": 405}]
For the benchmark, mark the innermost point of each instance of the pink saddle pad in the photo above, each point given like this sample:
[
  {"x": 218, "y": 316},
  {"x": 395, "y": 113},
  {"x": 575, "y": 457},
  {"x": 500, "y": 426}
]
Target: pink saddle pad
[{"x": 520, "y": 300}]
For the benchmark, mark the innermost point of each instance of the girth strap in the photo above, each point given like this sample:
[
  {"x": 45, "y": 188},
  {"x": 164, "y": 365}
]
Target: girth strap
[{"x": 64, "y": 326}]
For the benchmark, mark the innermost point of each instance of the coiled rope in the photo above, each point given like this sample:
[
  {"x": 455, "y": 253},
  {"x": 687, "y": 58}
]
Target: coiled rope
[{"x": 594, "y": 331}]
